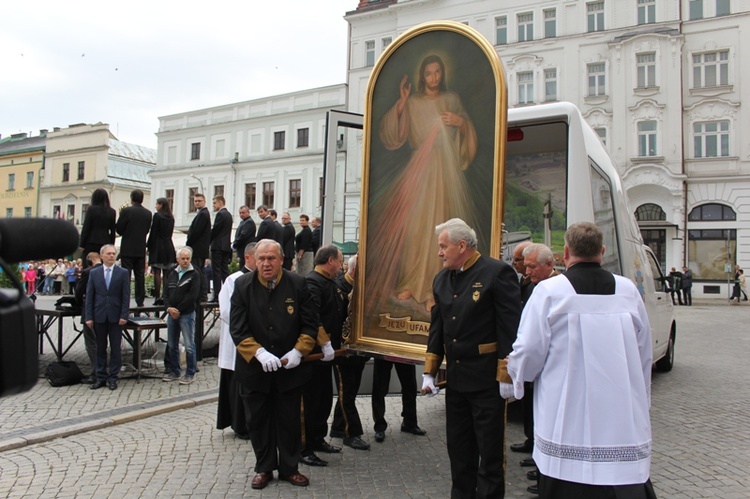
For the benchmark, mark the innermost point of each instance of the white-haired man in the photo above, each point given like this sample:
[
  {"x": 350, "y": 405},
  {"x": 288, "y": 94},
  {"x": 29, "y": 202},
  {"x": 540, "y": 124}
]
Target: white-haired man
[{"x": 473, "y": 325}]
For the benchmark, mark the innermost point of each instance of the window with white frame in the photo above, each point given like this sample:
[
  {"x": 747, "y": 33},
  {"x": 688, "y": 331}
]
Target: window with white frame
[
  {"x": 696, "y": 9},
  {"x": 11, "y": 181},
  {"x": 501, "y": 30},
  {"x": 646, "y": 64},
  {"x": 29, "y": 180},
  {"x": 596, "y": 79},
  {"x": 268, "y": 194},
  {"x": 595, "y": 16},
  {"x": 369, "y": 53},
  {"x": 711, "y": 139},
  {"x": 526, "y": 27},
  {"x": 647, "y": 138},
  {"x": 711, "y": 69},
  {"x": 27, "y": 212},
  {"x": 8, "y": 212},
  {"x": 295, "y": 193},
  {"x": 303, "y": 137},
  {"x": 550, "y": 23},
  {"x": 385, "y": 42},
  {"x": 646, "y": 11},
  {"x": 550, "y": 84},
  {"x": 195, "y": 151},
  {"x": 723, "y": 8},
  {"x": 602, "y": 133},
  {"x": 279, "y": 140},
  {"x": 526, "y": 87}
]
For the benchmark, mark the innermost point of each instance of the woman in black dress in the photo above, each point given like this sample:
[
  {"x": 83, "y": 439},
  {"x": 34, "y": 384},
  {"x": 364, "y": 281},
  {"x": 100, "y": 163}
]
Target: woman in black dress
[
  {"x": 161, "y": 255},
  {"x": 98, "y": 225}
]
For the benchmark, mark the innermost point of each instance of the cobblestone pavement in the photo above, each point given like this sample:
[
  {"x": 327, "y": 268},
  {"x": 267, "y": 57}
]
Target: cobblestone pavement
[{"x": 158, "y": 439}]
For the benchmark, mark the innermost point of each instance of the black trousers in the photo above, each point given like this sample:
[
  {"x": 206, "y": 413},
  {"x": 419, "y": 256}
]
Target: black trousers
[
  {"x": 528, "y": 411},
  {"x": 348, "y": 375},
  {"x": 317, "y": 399},
  {"x": 687, "y": 294},
  {"x": 273, "y": 425},
  {"x": 553, "y": 488},
  {"x": 288, "y": 262},
  {"x": 475, "y": 424},
  {"x": 381, "y": 379},
  {"x": 220, "y": 266},
  {"x": 136, "y": 264}
]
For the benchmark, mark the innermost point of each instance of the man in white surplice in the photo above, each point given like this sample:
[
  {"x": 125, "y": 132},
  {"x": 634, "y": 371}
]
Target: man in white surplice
[{"x": 585, "y": 342}]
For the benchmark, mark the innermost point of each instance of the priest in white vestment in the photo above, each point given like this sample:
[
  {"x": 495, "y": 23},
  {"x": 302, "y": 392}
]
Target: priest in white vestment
[{"x": 585, "y": 341}]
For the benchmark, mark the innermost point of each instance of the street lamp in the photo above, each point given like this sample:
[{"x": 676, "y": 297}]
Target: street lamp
[{"x": 203, "y": 191}]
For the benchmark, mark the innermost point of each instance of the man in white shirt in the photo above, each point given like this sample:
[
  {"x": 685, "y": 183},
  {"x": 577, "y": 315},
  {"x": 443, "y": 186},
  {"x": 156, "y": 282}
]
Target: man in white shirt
[{"x": 585, "y": 341}]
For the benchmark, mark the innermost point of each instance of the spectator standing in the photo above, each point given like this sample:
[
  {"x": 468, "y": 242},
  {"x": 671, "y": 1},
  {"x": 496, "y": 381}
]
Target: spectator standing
[
  {"x": 98, "y": 224},
  {"x": 287, "y": 240},
  {"x": 30, "y": 278},
  {"x": 161, "y": 254},
  {"x": 107, "y": 304},
  {"x": 267, "y": 228},
  {"x": 199, "y": 240},
  {"x": 316, "y": 234},
  {"x": 71, "y": 275},
  {"x": 133, "y": 225},
  {"x": 221, "y": 244},
  {"x": 303, "y": 247},
  {"x": 245, "y": 233},
  {"x": 58, "y": 276},
  {"x": 675, "y": 281},
  {"x": 180, "y": 300},
  {"x": 687, "y": 286}
]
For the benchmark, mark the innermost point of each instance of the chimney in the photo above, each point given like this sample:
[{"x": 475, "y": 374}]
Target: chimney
[{"x": 43, "y": 132}]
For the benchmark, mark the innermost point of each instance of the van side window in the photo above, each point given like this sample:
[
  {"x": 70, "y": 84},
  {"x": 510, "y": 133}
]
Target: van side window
[
  {"x": 604, "y": 217},
  {"x": 659, "y": 285}
]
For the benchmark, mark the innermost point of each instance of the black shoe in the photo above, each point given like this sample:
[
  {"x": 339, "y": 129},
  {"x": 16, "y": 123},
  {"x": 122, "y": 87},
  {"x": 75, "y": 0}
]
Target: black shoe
[
  {"x": 242, "y": 436},
  {"x": 379, "y": 436},
  {"x": 98, "y": 384},
  {"x": 112, "y": 385},
  {"x": 533, "y": 489},
  {"x": 87, "y": 380},
  {"x": 312, "y": 460},
  {"x": 356, "y": 443},
  {"x": 337, "y": 434},
  {"x": 158, "y": 302},
  {"x": 414, "y": 430},
  {"x": 533, "y": 475},
  {"x": 529, "y": 461},
  {"x": 524, "y": 447},
  {"x": 328, "y": 448}
]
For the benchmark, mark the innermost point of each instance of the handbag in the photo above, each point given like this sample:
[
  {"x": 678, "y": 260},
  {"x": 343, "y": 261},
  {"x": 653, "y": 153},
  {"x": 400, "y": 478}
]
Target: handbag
[{"x": 63, "y": 373}]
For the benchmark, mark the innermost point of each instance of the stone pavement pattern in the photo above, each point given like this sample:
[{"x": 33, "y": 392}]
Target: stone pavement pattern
[{"x": 700, "y": 415}]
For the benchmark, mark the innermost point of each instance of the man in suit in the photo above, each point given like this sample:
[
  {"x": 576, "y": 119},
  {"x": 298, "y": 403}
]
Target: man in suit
[
  {"x": 473, "y": 325},
  {"x": 245, "y": 233},
  {"x": 107, "y": 304},
  {"x": 316, "y": 241},
  {"x": 133, "y": 225},
  {"x": 287, "y": 240},
  {"x": 268, "y": 228},
  {"x": 273, "y": 325},
  {"x": 221, "y": 249},
  {"x": 199, "y": 239}
]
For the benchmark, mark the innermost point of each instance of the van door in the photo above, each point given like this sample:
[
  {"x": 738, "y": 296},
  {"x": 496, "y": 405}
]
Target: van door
[{"x": 659, "y": 307}]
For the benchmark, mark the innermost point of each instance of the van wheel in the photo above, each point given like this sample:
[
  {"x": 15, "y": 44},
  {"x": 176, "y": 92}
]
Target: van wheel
[{"x": 666, "y": 363}]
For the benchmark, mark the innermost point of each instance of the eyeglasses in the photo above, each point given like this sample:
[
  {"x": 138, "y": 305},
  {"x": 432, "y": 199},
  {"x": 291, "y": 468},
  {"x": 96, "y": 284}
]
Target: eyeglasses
[{"x": 518, "y": 259}]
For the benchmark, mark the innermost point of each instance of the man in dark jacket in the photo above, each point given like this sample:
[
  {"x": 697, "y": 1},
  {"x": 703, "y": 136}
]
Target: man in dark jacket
[
  {"x": 473, "y": 325},
  {"x": 245, "y": 233},
  {"x": 180, "y": 297},
  {"x": 272, "y": 322},
  {"x": 221, "y": 249},
  {"x": 268, "y": 228},
  {"x": 199, "y": 240},
  {"x": 316, "y": 234},
  {"x": 133, "y": 226},
  {"x": 287, "y": 240}
]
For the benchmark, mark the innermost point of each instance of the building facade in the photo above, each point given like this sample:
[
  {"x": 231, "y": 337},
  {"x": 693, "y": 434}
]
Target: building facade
[
  {"x": 265, "y": 151},
  {"x": 660, "y": 81},
  {"x": 82, "y": 158},
  {"x": 21, "y": 160}
]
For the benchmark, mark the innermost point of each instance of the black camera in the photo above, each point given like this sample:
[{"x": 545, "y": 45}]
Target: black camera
[{"x": 22, "y": 240}]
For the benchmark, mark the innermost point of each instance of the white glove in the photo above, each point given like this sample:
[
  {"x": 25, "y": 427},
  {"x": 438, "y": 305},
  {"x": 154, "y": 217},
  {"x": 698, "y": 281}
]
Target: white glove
[
  {"x": 506, "y": 391},
  {"x": 268, "y": 360},
  {"x": 293, "y": 358},
  {"x": 328, "y": 352},
  {"x": 428, "y": 383}
]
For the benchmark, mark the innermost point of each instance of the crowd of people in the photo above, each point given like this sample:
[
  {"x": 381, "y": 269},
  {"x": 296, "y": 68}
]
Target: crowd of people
[{"x": 505, "y": 332}]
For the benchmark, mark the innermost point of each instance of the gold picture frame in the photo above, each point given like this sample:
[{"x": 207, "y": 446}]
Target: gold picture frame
[{"x": 433, "y": 149}]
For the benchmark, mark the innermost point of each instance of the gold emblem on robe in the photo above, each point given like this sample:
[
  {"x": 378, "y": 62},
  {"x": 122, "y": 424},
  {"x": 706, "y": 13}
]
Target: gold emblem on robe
[
  {"x": 475, "y": 296},
  {"x": 290, "y": 309}
]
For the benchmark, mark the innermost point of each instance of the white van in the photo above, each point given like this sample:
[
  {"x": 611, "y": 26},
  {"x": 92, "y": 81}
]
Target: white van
[{"x": 557, "y": 172}]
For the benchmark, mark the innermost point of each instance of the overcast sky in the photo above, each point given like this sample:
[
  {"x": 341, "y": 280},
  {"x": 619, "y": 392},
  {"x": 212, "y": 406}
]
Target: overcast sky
[{"x": 128, "y": 63}]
